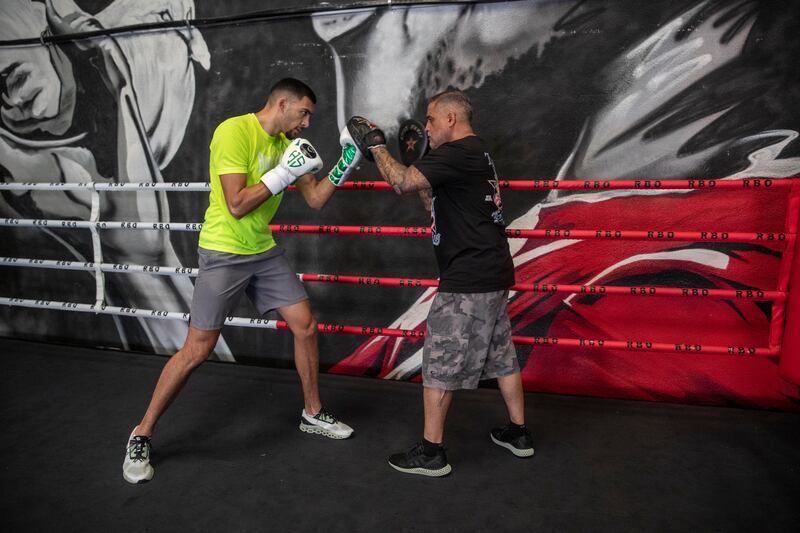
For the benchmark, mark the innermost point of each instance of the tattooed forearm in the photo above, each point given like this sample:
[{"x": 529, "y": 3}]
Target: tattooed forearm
[
  {"x": 426, "y": 196},
  {"x": 403, "y": 179}
]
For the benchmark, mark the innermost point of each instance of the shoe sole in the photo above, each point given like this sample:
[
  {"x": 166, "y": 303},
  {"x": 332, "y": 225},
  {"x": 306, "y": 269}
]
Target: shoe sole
[
  {"x": 145, "y": 479},
  {"x": 516, "y": 451},
  {"x": 446, "y": 469},
  {"x": 314, "y": 430}
]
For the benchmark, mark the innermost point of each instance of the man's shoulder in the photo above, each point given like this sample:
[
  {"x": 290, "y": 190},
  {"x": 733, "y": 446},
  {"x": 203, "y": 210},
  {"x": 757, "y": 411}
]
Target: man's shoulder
[
  {"x": 471, "y": 142},
  {"x": 237, "y": 122},
  {"x": 457, "y": 149},
  {"x": 464, "y": 144},
  {"x": 233, "y": 131}
]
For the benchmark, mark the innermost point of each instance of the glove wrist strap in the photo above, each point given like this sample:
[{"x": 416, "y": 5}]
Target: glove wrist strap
[
  {"x": 341, "y": 170},
  {"x": 276, "y": 179}
]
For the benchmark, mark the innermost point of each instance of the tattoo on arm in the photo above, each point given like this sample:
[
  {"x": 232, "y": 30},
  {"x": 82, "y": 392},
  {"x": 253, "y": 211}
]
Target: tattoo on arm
[
  {"x": 403, "y": 179},
  {"x": 426, "y": 195}
]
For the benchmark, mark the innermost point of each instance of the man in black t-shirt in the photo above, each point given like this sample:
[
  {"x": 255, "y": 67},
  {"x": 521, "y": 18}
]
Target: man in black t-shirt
[{"x": 468, "y": 335}]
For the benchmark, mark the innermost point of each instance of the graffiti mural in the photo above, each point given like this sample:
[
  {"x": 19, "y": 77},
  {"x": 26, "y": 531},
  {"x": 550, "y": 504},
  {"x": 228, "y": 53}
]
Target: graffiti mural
[
  {"x": 589, "y": 90},
  {"x": 107, "y": 109},
  {"x": 659, "y": 119}
]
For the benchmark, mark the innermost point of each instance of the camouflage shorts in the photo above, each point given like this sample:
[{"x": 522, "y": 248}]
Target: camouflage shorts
[{"x": 468, "y": 338}]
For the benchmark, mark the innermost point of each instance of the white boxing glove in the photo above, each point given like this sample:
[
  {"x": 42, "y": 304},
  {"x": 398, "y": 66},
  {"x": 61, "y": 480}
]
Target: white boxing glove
[
  {"x": 345, "y": 138},
  {"x": 350, "y": 158},
  {"x": 298, "y": 159}
]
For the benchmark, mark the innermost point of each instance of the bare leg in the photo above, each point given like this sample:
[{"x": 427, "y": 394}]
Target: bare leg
[
  {"x": 511, "y": 389},
  {"x": 436, "y": 403},
  {"x": 199, "y": 344},
  {"x": 306, "y": 351}
]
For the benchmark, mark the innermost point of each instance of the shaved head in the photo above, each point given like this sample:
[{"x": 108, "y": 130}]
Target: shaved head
[{"x": 456, "y": 101}]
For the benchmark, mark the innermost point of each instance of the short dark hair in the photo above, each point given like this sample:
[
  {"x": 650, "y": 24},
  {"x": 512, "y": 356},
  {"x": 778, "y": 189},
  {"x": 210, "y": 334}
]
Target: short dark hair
[
  {"x": 457, "y": 98},
  {"x": 294, "y": 87}
]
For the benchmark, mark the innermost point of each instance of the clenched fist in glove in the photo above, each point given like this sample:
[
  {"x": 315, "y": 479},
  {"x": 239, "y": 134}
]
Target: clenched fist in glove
[
  {"x": 366, "y": 135},
  {"x": 298, "y": 159},
  {"x": 350, "y": 158}
]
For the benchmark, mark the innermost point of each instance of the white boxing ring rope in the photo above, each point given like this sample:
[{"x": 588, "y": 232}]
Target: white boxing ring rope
[
  {"x": 94, "y": 188},
  {"x": 103, "y": 309},
  {"x": 197, "y": 186}
]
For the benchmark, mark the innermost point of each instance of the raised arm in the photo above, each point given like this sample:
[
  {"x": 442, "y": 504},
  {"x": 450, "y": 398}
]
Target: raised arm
[
  {"x": 371, "y": 142},
  {"x": 240, "y": 198},
  {"x": 315, "y": 192},
  {"x": 403, "y": 179}
]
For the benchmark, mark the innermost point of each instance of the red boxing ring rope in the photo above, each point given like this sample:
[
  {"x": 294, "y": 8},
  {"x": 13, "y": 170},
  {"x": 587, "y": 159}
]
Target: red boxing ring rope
[
  {"x": 622, "y": 290},
  {"x": 629, "y": 235},
  {"x": 595, "y": 185},
  {"x": 628, "y": 345}
]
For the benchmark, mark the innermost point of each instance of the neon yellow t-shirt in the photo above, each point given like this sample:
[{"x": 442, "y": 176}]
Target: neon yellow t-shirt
[{"x": 241, "y": 146}]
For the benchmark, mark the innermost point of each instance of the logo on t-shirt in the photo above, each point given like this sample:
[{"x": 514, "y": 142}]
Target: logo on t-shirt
[
  {"x": 436, "y": 237},
  {"x": 497, "y": 214},
  {"x": 264, "y": 162}
]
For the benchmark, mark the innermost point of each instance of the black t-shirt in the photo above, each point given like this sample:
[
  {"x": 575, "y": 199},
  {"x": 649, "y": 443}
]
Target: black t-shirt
[{"x": 467, "y": 218}]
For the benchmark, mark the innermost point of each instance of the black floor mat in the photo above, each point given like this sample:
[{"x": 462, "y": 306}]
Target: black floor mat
[{"x": 229, "y": 457}]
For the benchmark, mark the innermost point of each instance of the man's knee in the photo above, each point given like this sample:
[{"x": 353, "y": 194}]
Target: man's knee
[
  {"x": 197, "y": 348},
  {"x": 192, "y": 356},
  {"x": 305, "y": 329}
]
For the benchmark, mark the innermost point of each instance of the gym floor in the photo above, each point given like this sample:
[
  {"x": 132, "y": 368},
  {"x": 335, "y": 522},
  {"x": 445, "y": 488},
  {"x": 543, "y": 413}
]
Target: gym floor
[{"x": 229, "y": 457}]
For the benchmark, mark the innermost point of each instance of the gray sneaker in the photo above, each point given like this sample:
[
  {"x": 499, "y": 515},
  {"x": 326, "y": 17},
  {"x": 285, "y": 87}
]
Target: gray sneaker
[
  {"x": 324, "y": 423},
  {"x": 137, "y": 468}
]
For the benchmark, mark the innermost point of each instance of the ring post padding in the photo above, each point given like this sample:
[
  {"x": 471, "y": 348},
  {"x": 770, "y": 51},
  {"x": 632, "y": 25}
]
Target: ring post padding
[
  {"x": 789, "y": 365},
  {"x": 788, "y": 258},
  {"x": 97, "y": 250}
]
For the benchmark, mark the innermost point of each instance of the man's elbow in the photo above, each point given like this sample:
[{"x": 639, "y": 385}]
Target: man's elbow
[
  {"x": 316, "y": 204},
  {"x": 236, "y": 211},
  {"x": 403, "y": 187}
]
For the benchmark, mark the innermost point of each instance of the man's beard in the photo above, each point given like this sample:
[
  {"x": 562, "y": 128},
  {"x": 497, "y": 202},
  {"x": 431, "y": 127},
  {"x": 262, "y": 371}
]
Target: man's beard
[{"x": 292, "y": 134}]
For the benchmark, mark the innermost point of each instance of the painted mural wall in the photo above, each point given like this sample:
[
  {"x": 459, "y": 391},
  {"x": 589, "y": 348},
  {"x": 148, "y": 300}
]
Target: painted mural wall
[{"x": 589, "y": 90}]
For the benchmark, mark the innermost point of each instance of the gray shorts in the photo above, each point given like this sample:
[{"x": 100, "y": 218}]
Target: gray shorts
[
  {"x": 266, "y": 278},
  {"x": 468, "y": 338}
]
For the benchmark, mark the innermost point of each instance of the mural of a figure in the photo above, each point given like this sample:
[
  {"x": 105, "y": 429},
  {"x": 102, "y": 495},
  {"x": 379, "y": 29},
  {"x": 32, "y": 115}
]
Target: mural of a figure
[
  {"x": 583, "y": 89},
  {"x": 56, "y": 105},
  {"x": 676, "y": 106}
]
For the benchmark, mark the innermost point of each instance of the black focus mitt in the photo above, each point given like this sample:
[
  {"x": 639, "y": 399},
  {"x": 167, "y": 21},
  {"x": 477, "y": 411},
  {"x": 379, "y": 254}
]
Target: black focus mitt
[
  {"x": 366, "y": 135},
  {"x": 413, "y": 141}
]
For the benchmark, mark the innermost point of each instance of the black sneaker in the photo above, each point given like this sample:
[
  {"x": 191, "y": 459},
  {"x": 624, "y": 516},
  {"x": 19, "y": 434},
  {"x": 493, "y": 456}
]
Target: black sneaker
[
  {"x": 515, "y": 439},
  {"x": 414, "y": 461}
]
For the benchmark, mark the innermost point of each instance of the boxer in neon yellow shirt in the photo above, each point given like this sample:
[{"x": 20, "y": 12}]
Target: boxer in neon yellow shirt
[
  {"x": 254, "y": 157},
  {"x": 241, "y": 146}
]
